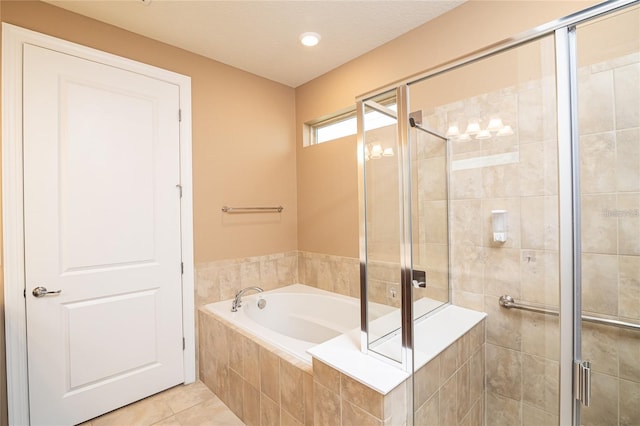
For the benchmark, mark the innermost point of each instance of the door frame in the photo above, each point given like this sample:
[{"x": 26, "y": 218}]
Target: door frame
[{"x": 13, "y": 38}]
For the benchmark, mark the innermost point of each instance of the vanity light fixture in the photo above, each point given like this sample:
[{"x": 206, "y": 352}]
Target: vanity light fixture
[
  {"x": 310, "y": 39},
  {"x": 473, "y": 130}
]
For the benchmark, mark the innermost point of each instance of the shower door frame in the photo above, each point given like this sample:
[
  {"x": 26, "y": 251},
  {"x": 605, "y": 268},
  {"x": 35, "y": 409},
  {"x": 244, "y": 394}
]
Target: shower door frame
[{"x": 570, "y": 305}]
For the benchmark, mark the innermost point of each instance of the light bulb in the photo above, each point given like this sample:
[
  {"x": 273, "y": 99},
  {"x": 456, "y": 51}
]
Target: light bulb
[
  {"x": 505, "y": 131},
  {"x": 473, "y": 127},
  {"x": 453, "y": 131},
  {"x": 388, "y": 152},
  {"x": 483, "y": 134},
  {"x": 309, "y": 39},
  {"x": 495, "y": 124}
]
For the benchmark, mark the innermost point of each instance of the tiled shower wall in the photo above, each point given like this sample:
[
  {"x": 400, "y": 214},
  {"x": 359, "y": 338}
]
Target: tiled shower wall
[
  {"x": 609, "y": 120},
  {"x": 517, "y": 173}
]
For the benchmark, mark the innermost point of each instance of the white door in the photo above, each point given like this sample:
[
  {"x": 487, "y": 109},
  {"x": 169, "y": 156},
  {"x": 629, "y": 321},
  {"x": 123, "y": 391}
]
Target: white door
[{"x": 102, "y": 226}]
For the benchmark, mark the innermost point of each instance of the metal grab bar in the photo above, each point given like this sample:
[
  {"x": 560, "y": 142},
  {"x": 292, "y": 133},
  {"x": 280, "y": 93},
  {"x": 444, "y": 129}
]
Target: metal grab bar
[
  {"x": 227, "y": 209},
  {"x": 508, "y": 302}
]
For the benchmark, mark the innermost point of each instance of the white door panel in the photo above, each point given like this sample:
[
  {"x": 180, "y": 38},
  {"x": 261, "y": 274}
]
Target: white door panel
[{"x": 102, "y": 224}]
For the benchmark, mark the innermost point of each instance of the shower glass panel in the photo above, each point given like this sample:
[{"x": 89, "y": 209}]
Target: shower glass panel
[
  {"x": 499, "y": 116},
  {"x": 429, "y": 217},
  {"x": 382, "y": 212},
  {"x": 608, "y": 81}
]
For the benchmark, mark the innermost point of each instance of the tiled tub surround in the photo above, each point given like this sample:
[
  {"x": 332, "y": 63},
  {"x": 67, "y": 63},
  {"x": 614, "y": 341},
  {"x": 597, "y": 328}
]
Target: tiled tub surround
[{"x": 264, "y": 384}]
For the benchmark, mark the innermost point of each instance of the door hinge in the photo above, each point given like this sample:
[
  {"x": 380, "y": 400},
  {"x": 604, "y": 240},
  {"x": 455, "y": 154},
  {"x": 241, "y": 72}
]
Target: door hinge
[
  {"x": 182, "y": 268},
  {"x": 180, "y": 115},
  {"x": 582, "y": 382},
  {"x": 184, "y": 344},
  {"x": 179, "y": 189},
  {"x": 24, "y": 293}
]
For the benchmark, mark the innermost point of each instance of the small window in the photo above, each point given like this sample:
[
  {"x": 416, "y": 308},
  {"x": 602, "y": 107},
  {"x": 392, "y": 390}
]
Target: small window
[{"x": 341, "y": 125}]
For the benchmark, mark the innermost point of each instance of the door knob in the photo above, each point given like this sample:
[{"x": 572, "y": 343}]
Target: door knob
[{"x": 42, "y": 291}]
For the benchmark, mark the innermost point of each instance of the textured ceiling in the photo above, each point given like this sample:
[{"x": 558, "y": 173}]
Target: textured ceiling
[{"x": 261, "y": 37}]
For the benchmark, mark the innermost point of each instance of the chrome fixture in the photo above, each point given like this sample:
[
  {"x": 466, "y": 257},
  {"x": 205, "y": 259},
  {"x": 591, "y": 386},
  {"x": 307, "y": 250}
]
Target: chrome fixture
[
  {"x": 508, "y": 302},
  {"x": 227, "y": 209},
  {"x": 237, "y": 301},
  {"x": 42, "y": 291}
]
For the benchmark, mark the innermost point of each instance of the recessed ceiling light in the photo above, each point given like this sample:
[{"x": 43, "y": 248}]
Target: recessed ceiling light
[{"x": 310, "y": 39}]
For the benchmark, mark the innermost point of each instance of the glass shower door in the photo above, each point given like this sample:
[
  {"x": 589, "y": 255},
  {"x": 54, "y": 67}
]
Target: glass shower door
[{"x": 608, "y": 82}]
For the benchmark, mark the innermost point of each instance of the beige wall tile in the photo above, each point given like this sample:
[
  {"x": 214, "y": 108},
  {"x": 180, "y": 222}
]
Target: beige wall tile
[
  {"x": 287, "y": 419},
  {"x": 540, "y": 383},
  {"x": 307, "y": 382},
  {"x": 628, "y": 160},
  {"x": 326, "y": 406},
  {"x": 466, "y": 184},
  {"x": 326, "y": 376},
  {"x": 629, "y": 355},
  {"x": 448, "y": 362},
  {"x": 251, "y": 404},
  {"x": 539, "y": 222},
  {"x": 475, "y": 416},
  {"x": 532, "y": 416},
  {"x": 629, "y": 223},
  {"x": 426, "y": 381},
  {"x": 466, "y": 221},
  {"x": 598, "y": 163},
  {"x": 540, "y": 335},
  {"x": 629, "y": 287},
  {"x": 504, "y": 326},
  {"x": 236, "y": 351},
  {"x": 600, "y": 346},
  {"x": 270, "y": 374},
  {"x": 604, "y": 401},
  {"x": 291, "y": 386},
  {"x": 501, "y": 181},
  {"x": 476, "y": 375},
  {"x": 395, "y": 405},
  {"x": 599, "y": 230},
  {"x": 502, "y": 411},
  {"x": 236, "y": 390},
  {"x": 629, "y": 407},
  {"x": 269, "y": 411},
  {"x": 600, "y": 283},
  {"x": 463, "y": 392},
  {"x": 362, "y": 396},
  {"x": 251, "y": 354},
  {"x": 627, "y": 87},
  {"x": 448, "y": 410},
  {"x": 540, "y": 282},
  {"x": 502, "y": 272},
  {"x": 504, "y": 372},
  {"x": 532, "y": 170},
  {"x": 428, "y": 413},
  {"x": 355, "y": 416},
  {"x": 595, "y": 102},
  {"x": 468, "y": 263}
]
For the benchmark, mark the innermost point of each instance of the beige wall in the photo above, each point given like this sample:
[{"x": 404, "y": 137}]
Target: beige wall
[
  {"x": 243, "y": 138},
  {"x": 323, "y": 179},
  {"x": 243, "y": 149}
]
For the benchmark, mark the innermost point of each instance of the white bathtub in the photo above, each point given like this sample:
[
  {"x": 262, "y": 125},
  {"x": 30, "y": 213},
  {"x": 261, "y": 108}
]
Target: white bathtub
[{"x": 297, "y": 317}]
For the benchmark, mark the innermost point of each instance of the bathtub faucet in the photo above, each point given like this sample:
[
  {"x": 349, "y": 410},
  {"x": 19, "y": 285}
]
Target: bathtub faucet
[{"x": 237, "y": 301}]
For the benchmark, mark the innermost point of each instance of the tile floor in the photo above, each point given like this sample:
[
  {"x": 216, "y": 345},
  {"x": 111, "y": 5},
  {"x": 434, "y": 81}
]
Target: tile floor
[{"x": 190, "y": 405}]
